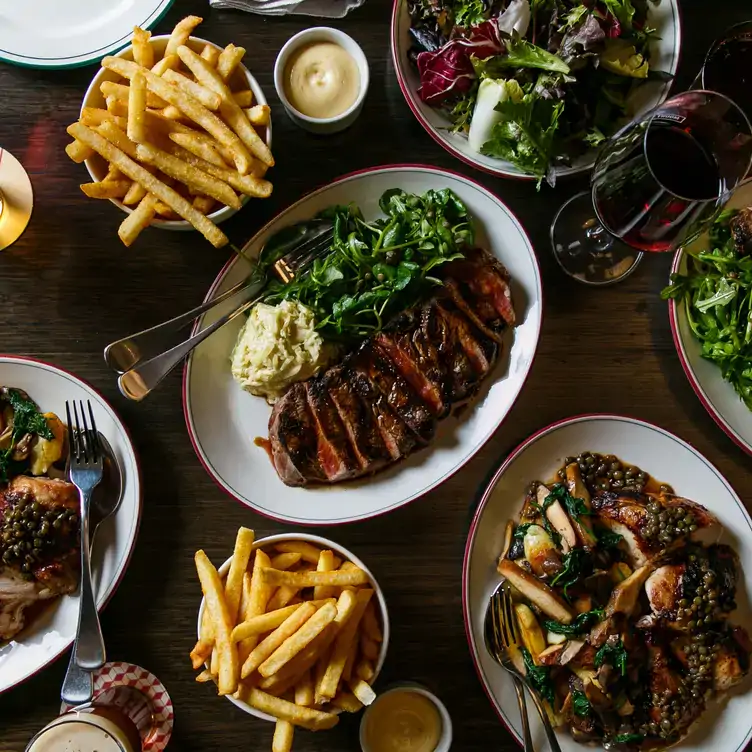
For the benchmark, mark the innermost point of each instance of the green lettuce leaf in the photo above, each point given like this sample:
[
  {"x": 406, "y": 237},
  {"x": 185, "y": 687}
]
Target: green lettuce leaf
[{"x": 621, "y": 57}]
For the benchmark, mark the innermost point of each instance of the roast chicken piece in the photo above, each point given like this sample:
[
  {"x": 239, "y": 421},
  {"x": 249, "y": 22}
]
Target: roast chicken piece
[
  {"x": 741, "y": 231},
  {"x": 650, "y": 523},
  {"x": 51, "y": 506}
]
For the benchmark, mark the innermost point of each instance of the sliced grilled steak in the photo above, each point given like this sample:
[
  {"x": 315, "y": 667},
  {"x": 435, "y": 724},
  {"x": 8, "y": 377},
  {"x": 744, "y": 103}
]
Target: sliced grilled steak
[
  {"x": 397, "y": 437},
  {"x": 362, "y": 431},
  {"x": 293, "y": 438},
  {"x": 371, "y": 362},
  {"x": 383, "y": 401},
  {"x": 334, "y": 454}
]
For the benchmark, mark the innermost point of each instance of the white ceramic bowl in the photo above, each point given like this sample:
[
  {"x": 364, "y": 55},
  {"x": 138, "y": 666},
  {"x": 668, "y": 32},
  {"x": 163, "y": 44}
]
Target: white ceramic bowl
[
  {"x": 346, "y": 555},
  {"x": 322, "y": 34},
  {"x": 726, "y": 725},
  {"x": 445, "y": 741},
  {"x": 664, "y": 56},
  {"x": 240, "y": 79}
]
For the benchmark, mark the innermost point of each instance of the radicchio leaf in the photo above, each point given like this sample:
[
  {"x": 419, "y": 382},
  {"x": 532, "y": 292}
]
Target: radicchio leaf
[
  {"x": 582, "y": 41},
  {"x": 449, "y": 71}
]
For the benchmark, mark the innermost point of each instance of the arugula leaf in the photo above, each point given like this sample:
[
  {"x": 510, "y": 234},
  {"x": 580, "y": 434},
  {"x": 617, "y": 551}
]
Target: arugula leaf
[
  {"x": 724, "y": 293},
  {"x": 375, "y": 269},
  {"x": 577, "y": 564},
  {"x": 538, "y": 676},
  {"x": 525, "y": 135},
  {"x": 581, "y": 704},
  {"x": 594, "y": 137},
  {"x": 573, "y": 17},
  {"x": 26, "y": 419},
  {"x": 578, "y": 626},
  {"x": 614, "y": 655}
]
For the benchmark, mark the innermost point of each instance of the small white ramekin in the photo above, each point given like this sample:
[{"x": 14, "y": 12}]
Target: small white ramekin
[
  {"x": 97, "y": 166},
  {"x": 445, "y": 740},
  {"x": 322, "y": 34},
  {"x": 346, "y": 555}
]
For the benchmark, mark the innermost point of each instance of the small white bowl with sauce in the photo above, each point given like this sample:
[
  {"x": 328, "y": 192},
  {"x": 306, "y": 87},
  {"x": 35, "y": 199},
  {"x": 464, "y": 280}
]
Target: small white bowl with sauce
[
  {"x": 406, "y": 718},
  {"x": 321, "y": 76}
]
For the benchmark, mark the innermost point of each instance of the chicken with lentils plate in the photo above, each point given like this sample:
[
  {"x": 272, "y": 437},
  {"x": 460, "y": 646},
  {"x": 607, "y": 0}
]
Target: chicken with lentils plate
[{"x": 623, "y": 613}]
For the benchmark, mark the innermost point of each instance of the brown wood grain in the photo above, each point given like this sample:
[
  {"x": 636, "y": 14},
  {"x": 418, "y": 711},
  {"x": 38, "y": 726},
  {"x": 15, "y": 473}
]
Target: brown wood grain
[{"x": 68, "y": 288}]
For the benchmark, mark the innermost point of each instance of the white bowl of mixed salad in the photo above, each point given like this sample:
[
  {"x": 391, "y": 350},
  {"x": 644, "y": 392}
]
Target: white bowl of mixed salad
[{"x": 525, "y": 89}]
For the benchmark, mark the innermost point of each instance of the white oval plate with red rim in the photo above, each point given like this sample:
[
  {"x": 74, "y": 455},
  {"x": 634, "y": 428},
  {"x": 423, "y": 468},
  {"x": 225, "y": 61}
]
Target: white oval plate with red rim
[
  {"x": 664, "y": 56},
  {"x": 726, "y": 726},
  {"x": 223, "y": 420},
  {"x": 52, "y": 632},
  {"x": 718, "y": 397}
]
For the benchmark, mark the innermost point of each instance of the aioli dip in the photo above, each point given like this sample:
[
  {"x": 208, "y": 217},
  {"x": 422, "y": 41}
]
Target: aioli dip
[
  {"x": 322, "y": 80},
  {"x": 402, "y": 721}
]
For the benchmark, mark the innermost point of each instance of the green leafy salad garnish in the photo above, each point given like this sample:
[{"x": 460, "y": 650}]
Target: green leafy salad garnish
[
  {"x": 538, "y": 676},
  {"x": 375, "y": 269},
  {"x": 717, "y": 295},
  {"x": 26, "y": 420}
]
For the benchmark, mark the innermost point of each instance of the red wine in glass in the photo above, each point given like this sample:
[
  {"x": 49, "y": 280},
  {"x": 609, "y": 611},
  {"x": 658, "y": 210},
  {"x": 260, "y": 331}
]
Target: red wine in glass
[
  {"x": 728, "y": 66},
  {"x": 648, "y": 198},
  {"x": 656, "y": 183}
]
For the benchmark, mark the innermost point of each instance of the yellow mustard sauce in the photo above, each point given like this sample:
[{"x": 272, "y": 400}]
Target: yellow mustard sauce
[
  {"x": 322, "y": 80},
  {"x": 403, "y": 721}
]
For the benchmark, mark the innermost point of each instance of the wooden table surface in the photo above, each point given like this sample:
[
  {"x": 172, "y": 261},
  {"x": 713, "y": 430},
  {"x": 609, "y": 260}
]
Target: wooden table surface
[{"x": 68, "y": 288}]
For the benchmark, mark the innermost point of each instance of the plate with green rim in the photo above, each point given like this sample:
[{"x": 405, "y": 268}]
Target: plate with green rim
[{"x": 53, "y": 34}]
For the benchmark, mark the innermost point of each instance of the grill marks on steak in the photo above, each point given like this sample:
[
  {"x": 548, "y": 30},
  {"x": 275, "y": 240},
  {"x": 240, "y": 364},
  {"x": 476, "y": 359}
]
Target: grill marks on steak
[{"x": 383, "y": 401}]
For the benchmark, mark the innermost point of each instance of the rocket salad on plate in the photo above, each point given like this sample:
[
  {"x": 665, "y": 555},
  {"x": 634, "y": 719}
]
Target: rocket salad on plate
[{"x": 535, "y": 83}]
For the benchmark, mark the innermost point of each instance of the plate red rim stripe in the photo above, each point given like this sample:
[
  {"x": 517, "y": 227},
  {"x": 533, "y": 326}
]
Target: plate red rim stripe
[
  {"x": 140, "y": 496},
  {"x": 233, "y": 259},
  {"x": 673, "y": 318},
  {"x": 488, "y": 489}
]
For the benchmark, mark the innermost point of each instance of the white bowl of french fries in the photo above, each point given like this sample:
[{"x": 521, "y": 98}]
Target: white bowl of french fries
[
  {"x": 176, "y": 132},
  {"x": 293, "y": 629}
]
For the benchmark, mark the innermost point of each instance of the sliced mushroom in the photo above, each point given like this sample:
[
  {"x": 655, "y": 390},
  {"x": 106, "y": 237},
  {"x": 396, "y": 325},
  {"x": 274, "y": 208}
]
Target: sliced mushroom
[
  {"x": 508, "y": 532},
  {"x": 624, "y": 596},
  {"x": 536, "y": 592},
  {"x": 22, "y": 448},
  {"x": 571, "y": 651},
  {"x": 550, "y": 656},
  {"x": 577, "y": 488},
  {"x": 558, "y": 519}
]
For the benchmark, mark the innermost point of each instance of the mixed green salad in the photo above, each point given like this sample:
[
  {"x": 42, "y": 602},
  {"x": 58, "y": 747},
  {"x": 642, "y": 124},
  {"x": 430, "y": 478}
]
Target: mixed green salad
[
  {"x": 533, "y": 82},
  {"x": 375, "y": 269},
  {"x": 717, "y": 296}
]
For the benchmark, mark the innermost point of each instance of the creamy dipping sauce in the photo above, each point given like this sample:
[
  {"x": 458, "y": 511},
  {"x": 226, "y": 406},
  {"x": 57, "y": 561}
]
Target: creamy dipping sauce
[
  {"x": 403, "y": 721},
  {"x": 322, "y": 80}
]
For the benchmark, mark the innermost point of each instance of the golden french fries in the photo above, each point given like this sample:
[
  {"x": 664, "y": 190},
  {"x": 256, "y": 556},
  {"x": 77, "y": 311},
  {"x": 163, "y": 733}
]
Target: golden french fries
[
  {"x": 143, "y": 53},
  {"x": 137, "y": 109},
  {"x": 211, "y": 585},
  {"x": 200, "y": 146},
  {"x": 106, "y": 189},
  {"x": 301, "y": 663}
]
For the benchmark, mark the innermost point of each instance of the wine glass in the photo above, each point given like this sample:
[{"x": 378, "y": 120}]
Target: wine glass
[
  {"x": 660, "y": 174},
  {"x": 728, "y": 66},
  {"x": 16, "y": 199}
]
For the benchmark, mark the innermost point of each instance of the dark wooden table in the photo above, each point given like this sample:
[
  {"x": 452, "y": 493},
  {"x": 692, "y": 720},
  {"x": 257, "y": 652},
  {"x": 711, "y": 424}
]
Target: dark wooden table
[{"x": 68, "y": 288}]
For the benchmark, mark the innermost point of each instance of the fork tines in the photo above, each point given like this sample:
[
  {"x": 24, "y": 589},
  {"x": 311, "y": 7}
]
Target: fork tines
[
  {"x": 84, "y": 443},
  {"x": 303, "y": 255}
]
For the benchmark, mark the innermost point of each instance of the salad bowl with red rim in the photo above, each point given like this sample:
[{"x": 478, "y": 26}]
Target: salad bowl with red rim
[{"x": 664, "y": 52}]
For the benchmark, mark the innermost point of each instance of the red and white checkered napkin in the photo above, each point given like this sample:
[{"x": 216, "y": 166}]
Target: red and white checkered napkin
[{"x": 154, "y": 718}]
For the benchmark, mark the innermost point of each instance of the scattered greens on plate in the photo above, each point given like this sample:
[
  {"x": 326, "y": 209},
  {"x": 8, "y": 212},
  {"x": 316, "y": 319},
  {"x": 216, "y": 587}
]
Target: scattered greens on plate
[
  {"x": 375, "y": 269},
  {"x": 534, "y": 82},
  {"x": 717, "y": 296}
]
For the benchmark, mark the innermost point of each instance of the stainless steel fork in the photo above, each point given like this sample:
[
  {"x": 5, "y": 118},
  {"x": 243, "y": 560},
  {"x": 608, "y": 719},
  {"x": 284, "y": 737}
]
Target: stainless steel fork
[
  {"x": 142, "y": 372},
  {"x": 86, "y": 470},
  {"x": 510, "y": 634}
]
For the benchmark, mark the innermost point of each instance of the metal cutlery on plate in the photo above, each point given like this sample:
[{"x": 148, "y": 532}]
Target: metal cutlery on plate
[
  {"x": 91, "y": 459},
  {"x": 502, "y": 639},
  {"x": 145, "y": 358}
]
